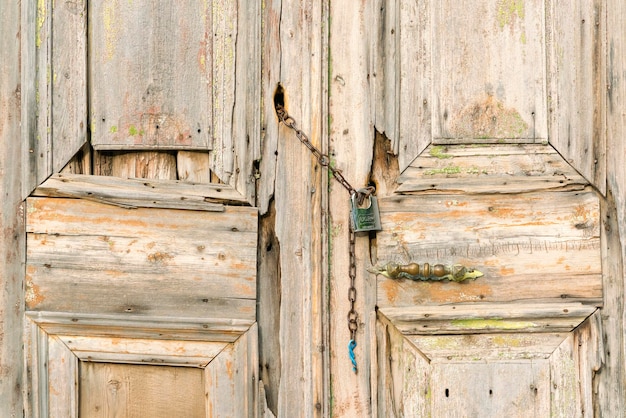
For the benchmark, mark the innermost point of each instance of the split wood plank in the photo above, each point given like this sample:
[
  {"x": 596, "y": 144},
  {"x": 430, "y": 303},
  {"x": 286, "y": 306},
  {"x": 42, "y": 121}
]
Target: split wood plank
[
  {"x": 140, "y": 390},
  {"x": 537, "y": 246},
  {"x": 14, "y": 29},
  {"x": 577, "y": 55},
  {"x": 144, "y": 261},
  {"x": 141, "y": 193},
  {"x": 488, "y": 318},
  {"x": 351, "y": 136},
  {"x": 489, "y": 83},
  {"x": 494, "y": 169}
]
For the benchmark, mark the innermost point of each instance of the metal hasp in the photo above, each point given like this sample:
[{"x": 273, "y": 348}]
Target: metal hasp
[{"x": 413, "y": 271}]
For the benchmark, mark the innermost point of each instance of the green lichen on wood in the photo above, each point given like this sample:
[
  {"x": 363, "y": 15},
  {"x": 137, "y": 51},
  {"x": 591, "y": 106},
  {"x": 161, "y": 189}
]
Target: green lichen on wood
[
  {"x": 492, "y": 323},
  {"x": 437, "y": 151},
  {"x": 508, "y": 10},
  {"x": 445, "y": 170},
  {"x": 132, "y": 130},
  {"x": 41, "y": 19}
]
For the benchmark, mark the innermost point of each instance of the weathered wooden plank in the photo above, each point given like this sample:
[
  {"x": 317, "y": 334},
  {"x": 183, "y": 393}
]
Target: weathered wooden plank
[
  {"x": 351, "y": 136},
  {"x": 488, "y": 318},
  {"x": 142, "y": 351},
  {"x": 144, "y": 165},
  {"x": 80, "y": 162},
  {"x": 564, "y": 393},
  {"x": 148, "y": 327},
  {"x": 193, "y": 166},
  {"x": 141, "y": 193},
  {"x": 63, "y": 379},
  {"x": 150, "y": 88},
  {"x": 518, "y": 389},
  {"x": 12, "y": 166},
  {"x": 233, "y": 375},
  {"x": 140, "y": 390},
  {"x": 416, "y": 78},
  {"x": 489, "y": 72},
  {"x": 68, "y": 67},
  {"x": 537, "y": 246},
  {"x": 611, "y": 382},
  {"x": 497, "y": 169},
  {"x": 403, "y": 377},
  {"x": 487, "y": 347},
  {"x": 577, "y": 85},
  {"x": 590, "y": 353},
  {"x": 236, "y": 91}
]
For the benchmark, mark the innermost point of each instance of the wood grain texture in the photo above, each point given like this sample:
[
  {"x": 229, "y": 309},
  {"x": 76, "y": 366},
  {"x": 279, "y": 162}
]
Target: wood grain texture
[
  {"x": 296, "y": 52},
  {"x": 489, "y": 72},
  {"x": 63, "y": 379},
  {"x": 141, "y": 261},
  {"x": 532, "y": 246},
  {"x": 487, "y": 318},
  {"x": 150, "y": 88},
  {"x": 351, "y": 134},
  {"x": 144, "y": 165},
  {"x": 577, "y": 85},
  {"x": 133, "y": 193},
  {"x": 612, "y": 387},
  {"x": 12, "y": 243},
  {"x": 494, "y": 169},
  {"x": 108, "y": 389},
  {"x": 193, "y": 166}
]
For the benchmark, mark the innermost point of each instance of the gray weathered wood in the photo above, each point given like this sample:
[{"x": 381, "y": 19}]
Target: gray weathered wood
[
  {"x": 493, "y": 169},
  {"x": 351, "y": 135},
  {"x": 577, "y": 85},
  {"x": 151, "y": 75},
  {"x": 141, "y": 193},
  {"x": 142, "y": 261},
  {"x": 489, "y": 72},
  {"x": 62, "y": 379},
  {"x": 488, "y": 318},
  {"x": 12, "y": 244}
]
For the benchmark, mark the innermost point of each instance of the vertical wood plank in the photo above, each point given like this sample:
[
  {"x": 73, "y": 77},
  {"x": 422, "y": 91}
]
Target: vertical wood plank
[
  {"x": 565, "y": 396},
  {"x": 612, "y": 386},
  {"x": 62, "y": 380},
  {"x": 351, "y": 136},
  {"x": 150, "y": 74},
  {"x": 69, "y": 81},
  {"x": 414, "y": 90},
  {"x": 193, "y": 166},
  {"x": 577, "y": 85},
  {"x": 145, "y": 165},
  {"x": 12, "y": 238}
]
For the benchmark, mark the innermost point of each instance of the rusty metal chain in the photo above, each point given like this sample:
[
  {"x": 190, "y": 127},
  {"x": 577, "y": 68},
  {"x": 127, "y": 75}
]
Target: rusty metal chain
[{"x": 361, "y": 195}]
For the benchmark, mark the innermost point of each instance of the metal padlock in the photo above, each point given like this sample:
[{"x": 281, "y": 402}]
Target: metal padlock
[{"x": 366, "y": 218}]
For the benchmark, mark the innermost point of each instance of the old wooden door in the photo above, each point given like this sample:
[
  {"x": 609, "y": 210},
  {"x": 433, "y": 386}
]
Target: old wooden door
[
  {"x": 501, "y": 151},
  {"x": 142, "y": 231}
]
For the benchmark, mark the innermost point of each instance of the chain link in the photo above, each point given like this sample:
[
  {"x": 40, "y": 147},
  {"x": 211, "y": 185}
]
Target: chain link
[{"x": 361, "y": 195}]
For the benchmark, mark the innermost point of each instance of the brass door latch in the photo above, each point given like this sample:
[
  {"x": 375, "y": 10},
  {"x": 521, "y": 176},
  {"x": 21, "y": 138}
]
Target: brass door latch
[{"x": 437, "y": 272}]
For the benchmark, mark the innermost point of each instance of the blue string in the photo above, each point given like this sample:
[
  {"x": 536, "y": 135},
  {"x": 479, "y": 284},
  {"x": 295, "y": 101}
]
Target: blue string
[{"x": 351, "y": 346}]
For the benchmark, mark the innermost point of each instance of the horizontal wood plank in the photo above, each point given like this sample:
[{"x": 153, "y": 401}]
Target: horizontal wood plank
[
  {"x": 532, "y": 246},
  {"x": 146, "y": 327},
  {"x": 141, "y": 193},
  {"x": 494, "y": 169},
  {"x": 488, "y": 318},
  {"x": 142, "y": 351},
  {"x": 93, "y": 258},
  {"x": 487, "y": 347}
]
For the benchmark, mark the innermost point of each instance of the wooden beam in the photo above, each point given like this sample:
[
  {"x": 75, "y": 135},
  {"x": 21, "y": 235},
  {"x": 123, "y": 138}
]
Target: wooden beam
[{"x": 12, "y": 238}]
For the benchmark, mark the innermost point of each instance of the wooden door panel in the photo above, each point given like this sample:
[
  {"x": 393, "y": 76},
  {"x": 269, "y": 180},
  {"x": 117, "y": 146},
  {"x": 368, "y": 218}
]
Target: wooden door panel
[{"x": 476, "y": 375}]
